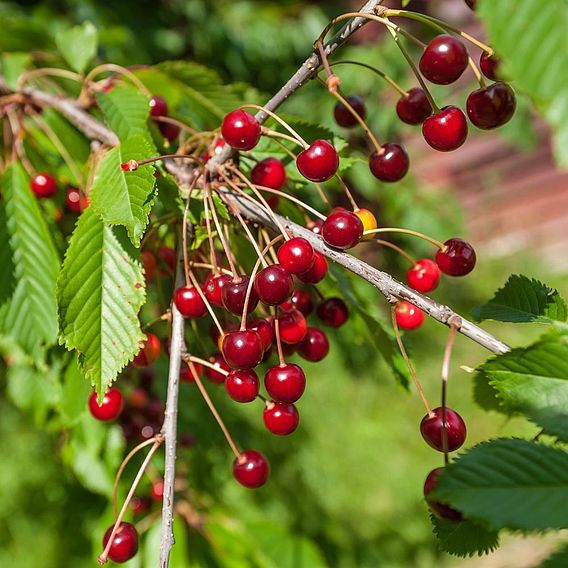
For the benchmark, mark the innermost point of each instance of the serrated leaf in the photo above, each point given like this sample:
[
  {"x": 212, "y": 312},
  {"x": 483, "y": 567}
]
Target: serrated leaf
[
  {"x": 7, "y": 281},
  {"x": 125, "y": 198},
  {"x": 523, "y": 300},
  {"x": 78, "y": 45},
  {"x": 509, "y": 483},
  {"x": 75, "y": 392},
  {"x": 485, "y": 395},
  {"x": 559, "y": 558},
  {"x": 100, "y": 291}
]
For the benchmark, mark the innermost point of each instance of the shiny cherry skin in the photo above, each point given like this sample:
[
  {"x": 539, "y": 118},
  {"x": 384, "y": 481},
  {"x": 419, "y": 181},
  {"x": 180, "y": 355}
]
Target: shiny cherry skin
[
  {"x": 318, "y": 162},
  {"x": 424, "y": 276},
  {"x": 219, "y": 363},
  {"x": 300, "y": 300},
  {"x": 439, "y": 509},
  {"x": 489, "y": 65},
  {"x": 342, "y": 229},
  {"x": 189, "y": 302},
  {"x": 185, "y": 374},
  {"x": 124, "y": 544},
  {"x": 414, "y": 107},
  {"x": 110, "y": 408},
  {"x": 168, "y": 130},
  {"x": 457, "y": 258},
  {"x": 274, "y": 284},
  {"x": 242, "y": 349},
  {"x": 432, "y": 428},
  {"x": 265, "y": 329},
  {"x": 343, "y": 115},
  {"x": 251, "y": 469},
  {"x": 158, "y": 106},
  {"x": 446, "y": 130},
  {"x": 280, "y": 418},
  {"x": 293, "y": 326},
  {"x": 390, "y": 164},
  {"x": 315, "y": 345},
  {"x": 43, "y": 185},
  {"x": 149, "y": 351},
  {"x": 140, "y": 505},
  {"x": 241, "y": 130},
  {"x": 242, "y": 385},
  {"x": 213, "y": 288},
  {"x": 333, "y": 312},
  {"x": 168, "y": 256},
  {"x": 149, "y": 263},
  {"x": 317, "y": 272},
  {"x": 285, "y": 383},
  {"x": 296, "y": 255},
  {"x": 74, "y": 201},
  {"x": 233, "y": 295},
  {"x": 270, "y": 172},
  {"x": 492, "y": 106},
  {"x": 218, "y": 146},
  {"x": 369, "y": 221},
  {"x": 408, "y": 316},
  {"x": 444, "y": 60},
  {"x": 315, "y": 226}
]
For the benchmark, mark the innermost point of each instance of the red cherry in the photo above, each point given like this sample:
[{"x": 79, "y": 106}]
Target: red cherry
[
  {"x": 333, "y": 312},
  {"x": 185, "y": 374},
  {"x": 270, "y": 172},
  {"x": 242, "y": 349},
  {"x": 241, "y": 130},
  {"x": 457, "y": 258},
  {"x": 280, "y": 418},
  {"x": 217, "y": 149},
  {"x": 444, "y": 60},
  {"x": 168, "y": 256},
  {"x": 390, "y": 164},
  {"x": 124, "y": 544},
  {"x": 439, "y": 509},
  {"x": 149, "y": 351},
  {"x": 300, "y": 300},
  {"x": 158, "y": 106},
  {"x": 285, "y": 383},
  {"x": 189, "y": 302},
  {"x": 408, "y": 316},
  {"x": 168, "y": 130},
  {"x": 138, "y": 398},
  {"x": 43, "y": 185},
  {"x": 490, "y": 65},
  {"x": 318, "y": 162},
  {"x": 265, "y": 330},
  {"x": 110, "y": 408},
  {"x": 317, "y": 272},
  {"x": 315, "y": 345},
  {"x": 149, "y": 263},
  {"x": 414, "y": 107},
  {"x": 274, "y": 284},
  {"x": 424, "y": 276},
  {"x": 242, "y": 385},
  {"x": 342, "y": 229},
  {"x": 296, "y": 255},
  {"x": 139, "y": 505},
  {"x": 432, "y": 428},
  {"x": 157, "y": 492},
  {"x": 213, "y": 288},
  {"x": 446, "y": 130},
  {"x": 491, "y": 106},
  {"x": 73, "y": 200},
  {"x": 219, "y": 363},
  {"x": 315, "y": 226},
  {"x": 233, "y": 295},
  {"x": 251, "y": 469},
  {"x": 293, "y": 326},
  {"x": 343, "y": 116}
]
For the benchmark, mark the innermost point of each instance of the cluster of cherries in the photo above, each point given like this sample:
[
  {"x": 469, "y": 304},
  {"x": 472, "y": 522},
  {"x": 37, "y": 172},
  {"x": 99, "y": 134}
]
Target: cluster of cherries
[{"x": 44, "y": 186}]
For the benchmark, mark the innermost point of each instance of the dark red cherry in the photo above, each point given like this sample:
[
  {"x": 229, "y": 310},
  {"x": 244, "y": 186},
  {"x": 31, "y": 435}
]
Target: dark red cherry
[
  {"x": 296, "y": 255},
  {"x": 492, "y": 106},
  {"x": 317, "y": 272},
  {"x": 315, "y": 226},
  {"x": 444, "y": 60},
  {"x": 74, "y": 201},
  {"x": 124, "y": 544},
  {"x": 457, "y": 258},
  {"x": 424, "y": 276},
  {"x": 149, "y": 263},
  {"x": 168, "y": 130},
  {"x": 343, "y": 115},
  {"x": 390, "y": 163},
  {"x": 110, "y": 408},
  {"x": 333, "y": 312},
  {"x": 251, "y": 469},
  {"x": 265, "y": 329},
  {"x": 219, "y": 363},
  {"x": 158, "y": 106},
  {"x": 293, "y": 326},
  {"x": 233, "y": 295},
  {"x": 274, "y": 284},
  {"x": 446, "y": 130},
  {"x": 408, "y": 316},
  {"x": 285, "y": 383},
  {"x": 168, "y": 256},
  {"x": 185, "y": 374},
  {"x": 490, "y": 65},
  {"x": 342, "y": 229},
  {"x": 140, "y": 505},
  {"x": 318, "y": 162},
  {"x": 242, "y": 349},
  {"x": 214, "y": 286},
  {"x": 149, "y": 351},
  {"x": 300, "y": 300},
  {"x": 241, "y": 130},
  {"x": 157, "y": 491},
  {"x": 242, "y": 385},
  {"x": 439, "y": 509},
  {"x": 432, "y": 428},
  {"x": 43, "y": 185},
  {"x": 315, "y": 345},
  {"x": 280, "y": 418},
  {"x": 270, "y": 172},
  {"x": 414, "y": 107},
  {"x": 189, "y": 302},
  {"x": 471, "y": 3}
]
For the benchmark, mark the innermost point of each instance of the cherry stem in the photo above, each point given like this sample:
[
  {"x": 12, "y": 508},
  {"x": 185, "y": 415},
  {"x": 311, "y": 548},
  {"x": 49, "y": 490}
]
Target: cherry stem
[
  {"x": 171, "y": 156},
  {"x": 46, "y": 72},
  {"x": 184, "y": 231},
  {"x": 181, "y": 125},
  {"x": 455, "y": 324},
  {"x": 205, "y": 301},
  {"x": 435, "y": 242},
  {"x": 268, "y": 243},
  {"x": 211, "y": 267},
  {"x": 166, "y": 316},
  {"x": 276, "y": 134},
  {"x": 401, "y": 251},
  {"x": 333, "y": 81},
  {"x": 212, "y": 255},
  {"x": 376, "y": 70},
  {"x": 347, "y": 193},
  {"x": 120, "y": 71},
  {"x": 18, "y": 146},
  {"x": 278, "y": 341},
  {"x": 206, "y": 363}
]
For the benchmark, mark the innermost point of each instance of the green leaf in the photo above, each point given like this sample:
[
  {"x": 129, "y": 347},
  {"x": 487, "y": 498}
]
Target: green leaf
[
  {"x": 558, "y": 560},
  {"x": 7, "y": 282},
  {"x": 466, "y": 538},
  {"x": 13, "y": 65},
  {"x": 509, "y": 483},
  {"x": 30, "y": 316},
  {"x": 100, "y": 291},
  {"x": 125, "y": 198},
  {"x": 74, "y": 392},
  {"x": 78, "y": 45},
  {"x": 523, "y": 300}
]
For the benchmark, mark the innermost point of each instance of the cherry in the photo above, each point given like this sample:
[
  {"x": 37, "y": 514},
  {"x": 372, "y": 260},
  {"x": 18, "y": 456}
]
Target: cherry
[
  {"x": 124, "y": 544},
  {"x": 285, "y": 382},
  {"x": 296, "y": 255},
  {"x": 233, "y": 295},
  {"x": 457, "y": 258},
  {"x": 490, "y": 65},
  {"x": 315, "y": 345},
  {"x": 318, "y": 162},
  {"x": 342, "y": 229},
  {"x": 138, "y": 398},
  {"x": 444, "y": 60},
  {"x": 242, "y": 349},
  {"x": 219, "y": 363},
  {"x": 446, "y": 130},
  {"x": 157, "y": 491},
  {"x": 274, "y": 284},
  {"x": 315, "y": 226},
  {"x": 270, "y": 172},
  {"x": 242, "y": 385},
  {"x": 317, "y": 272},
  {"x": 185, "y": 374},
  {"x": 369, "y": 221},
  {"x": 217, "y": 149},
  {"x": 139, "y": 505},
  {"x": 168, "y": 130},
  {"x": 424, "y": 276},
  {"x": 213, "y": 288},
  {"x": 149, "y": 351},
  {"x": 492, "y": 106},
  {"x": 343, "y": 116},
  {"x": 432, "y": 428},
  {"x": 251, "y": 469},
  {"x": 158, "y": 106},
  {"x": 471, "y": 3},
  {"x": 149, "y": 263},
  {"x": 73, "y": 200},
  {"x": 265, "y": 330},
  {"x": 189, "y": 302},
  {"x": 408, "y": 316},
  {"x": 299, "y": 300},
  {"x": 168, "y": 256},
  {"x": 390, "y": 163},
  {"x": 110, "y": 408},
  {"x": 439, "y": 509},
  {"x": 414, "y": 107},
  {"x": 43, "y": 185},
  {"x": 293, "y": 326},
  {"x": 280, "y": 418},
  {"x": 241, "y": 130},
  {"x": 333, "y": 312}
]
